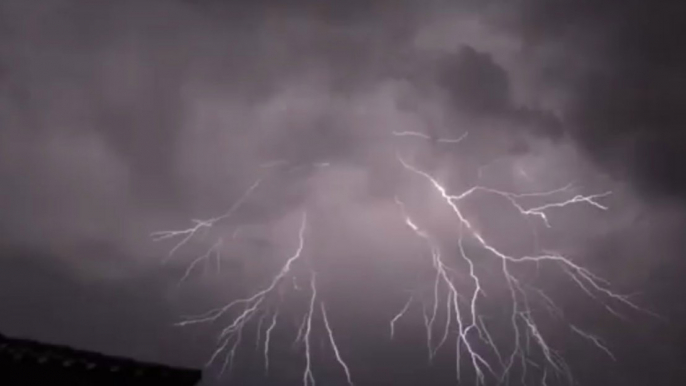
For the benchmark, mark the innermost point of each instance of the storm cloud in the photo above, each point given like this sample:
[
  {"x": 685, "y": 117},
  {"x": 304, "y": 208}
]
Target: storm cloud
[{"x": 120, "y": 119}]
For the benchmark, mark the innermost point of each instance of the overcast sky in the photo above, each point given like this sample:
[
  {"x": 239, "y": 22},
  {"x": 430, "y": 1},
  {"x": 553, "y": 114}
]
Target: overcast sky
[{"x": 119, "y": 119}]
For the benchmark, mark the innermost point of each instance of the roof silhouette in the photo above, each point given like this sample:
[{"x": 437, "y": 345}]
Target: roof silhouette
[{"x": 27, "y": 362}]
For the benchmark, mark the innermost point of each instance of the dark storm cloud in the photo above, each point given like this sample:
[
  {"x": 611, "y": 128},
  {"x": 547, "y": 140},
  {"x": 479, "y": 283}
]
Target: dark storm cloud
[
  {"x": 123, "y": 118},
  {"x": 480, "y": 87},
  {"x": 476, "y": 82},
  {"x": 622, "y": 65},
  {"x": 94, "y": 102}
]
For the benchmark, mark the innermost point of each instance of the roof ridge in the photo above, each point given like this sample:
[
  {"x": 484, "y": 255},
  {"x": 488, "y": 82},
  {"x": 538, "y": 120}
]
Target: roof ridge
[{"x": 19, "y": 350}]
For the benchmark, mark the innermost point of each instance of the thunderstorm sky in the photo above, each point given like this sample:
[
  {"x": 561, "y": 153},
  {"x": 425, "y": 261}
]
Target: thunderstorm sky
[{"x": 120, "y": 119}]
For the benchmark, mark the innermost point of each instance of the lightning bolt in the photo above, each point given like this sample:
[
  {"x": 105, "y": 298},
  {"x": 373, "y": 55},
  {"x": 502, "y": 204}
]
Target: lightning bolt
[
  {"x": 267, "y": 339},
  {"x": 399, "y": 315},
  {"x": 187, "y": 234},
  {"x": 334, "y": 346},
  {"x": 523, "y": 323},
  {"x": 463, "y": 317},
  {"x": 418, "y": 134},
  {"x": 308, "y": 377}
]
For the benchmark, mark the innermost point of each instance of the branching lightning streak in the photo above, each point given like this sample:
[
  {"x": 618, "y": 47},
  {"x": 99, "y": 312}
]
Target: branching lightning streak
[
  {"x": 462, "y": 311},
  {"x": 596, "y": 341},
  {"x": 427, "y": 137},
  {"x": 308, "y": 376},
  {"x": 442, "y": 276},
  {"x": 400, "y": 315},
  {"x": 252, "y": 303},
  {"x": 267, "y": 340},
  {"x": 187, "y": 234},
  {"x": 216, "y": 248},
  {"x": 334, "y": 346},
  {"x": 523, "y": 323},
  {"x": 231, "y": 336}
]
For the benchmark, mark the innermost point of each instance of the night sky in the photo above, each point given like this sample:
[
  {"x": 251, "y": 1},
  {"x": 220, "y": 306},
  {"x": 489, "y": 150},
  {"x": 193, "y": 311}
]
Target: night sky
[{"x": 119, "y": 119}]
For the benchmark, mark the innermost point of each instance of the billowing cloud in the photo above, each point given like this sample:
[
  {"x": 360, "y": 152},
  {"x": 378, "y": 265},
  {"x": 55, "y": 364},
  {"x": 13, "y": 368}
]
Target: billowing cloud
[
  {"x": 121, "y": 119},
  {"x": 620, "y": 69}
]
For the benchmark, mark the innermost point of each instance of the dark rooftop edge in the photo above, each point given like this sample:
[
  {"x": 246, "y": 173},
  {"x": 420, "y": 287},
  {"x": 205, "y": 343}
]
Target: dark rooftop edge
[{"x": 43, "y": 354}]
